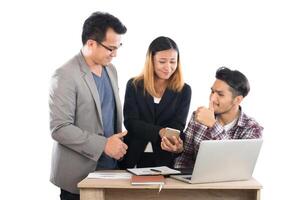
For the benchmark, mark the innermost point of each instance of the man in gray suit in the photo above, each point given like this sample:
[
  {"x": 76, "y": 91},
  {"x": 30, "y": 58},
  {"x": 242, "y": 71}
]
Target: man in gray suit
[{"x": 85, "y": 108}]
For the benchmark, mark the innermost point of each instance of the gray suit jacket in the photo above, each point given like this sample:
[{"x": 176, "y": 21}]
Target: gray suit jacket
[{"x": 76, "y": 122}]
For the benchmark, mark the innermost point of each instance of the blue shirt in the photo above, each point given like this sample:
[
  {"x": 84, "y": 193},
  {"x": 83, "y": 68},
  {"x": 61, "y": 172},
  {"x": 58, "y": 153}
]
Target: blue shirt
[{"x": 108, "y": 108}]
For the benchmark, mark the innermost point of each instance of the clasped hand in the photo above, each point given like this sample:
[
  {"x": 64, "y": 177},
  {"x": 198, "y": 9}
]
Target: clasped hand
[{"x": 115, "y": 147}]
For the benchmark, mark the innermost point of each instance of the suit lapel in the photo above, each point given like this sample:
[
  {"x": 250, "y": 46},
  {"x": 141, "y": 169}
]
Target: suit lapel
[
  {"x": 150, "y": 103},
  {"x": 88, "y": 77},
  {"x": 165, "y": 101}
]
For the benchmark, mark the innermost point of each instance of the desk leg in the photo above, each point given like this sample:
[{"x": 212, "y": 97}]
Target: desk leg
[
  {"x": 91, "y": 194},
  {"x": 258, "y": 195}
]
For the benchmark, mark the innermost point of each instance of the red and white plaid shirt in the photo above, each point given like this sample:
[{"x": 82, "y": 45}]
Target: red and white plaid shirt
[{"x": 245, "y": 128}]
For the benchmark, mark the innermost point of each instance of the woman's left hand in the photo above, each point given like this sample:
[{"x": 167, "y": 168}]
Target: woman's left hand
[{"x": 174, "y": 144}]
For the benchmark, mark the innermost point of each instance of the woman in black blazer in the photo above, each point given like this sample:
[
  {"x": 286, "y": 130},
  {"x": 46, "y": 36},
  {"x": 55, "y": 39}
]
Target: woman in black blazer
[{"x": 154, "y": 100}]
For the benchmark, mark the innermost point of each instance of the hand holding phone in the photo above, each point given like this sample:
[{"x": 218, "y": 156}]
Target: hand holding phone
[
  {"x": 170, "y": 132},
  {"x": 171, "y": 141}
]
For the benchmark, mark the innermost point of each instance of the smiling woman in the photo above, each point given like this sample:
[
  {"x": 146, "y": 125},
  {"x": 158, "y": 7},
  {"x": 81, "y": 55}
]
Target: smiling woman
[
  {"x": 155, "y": 100},
  {"x": 165, "y": 64}
]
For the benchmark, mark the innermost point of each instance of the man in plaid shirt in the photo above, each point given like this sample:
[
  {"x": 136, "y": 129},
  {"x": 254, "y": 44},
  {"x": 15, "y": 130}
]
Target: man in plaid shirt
[{"x": 223, "y": 119}]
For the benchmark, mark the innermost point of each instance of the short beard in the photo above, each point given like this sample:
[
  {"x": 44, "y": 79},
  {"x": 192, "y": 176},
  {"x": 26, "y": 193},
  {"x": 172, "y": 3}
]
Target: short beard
[{"x": 226, "y": 111}]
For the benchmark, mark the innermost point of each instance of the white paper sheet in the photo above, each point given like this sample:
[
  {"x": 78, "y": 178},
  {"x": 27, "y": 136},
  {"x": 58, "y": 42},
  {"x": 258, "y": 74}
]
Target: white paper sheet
[
  {"x": 153, "y": 171},
  {"x": 110, "y": 175}
]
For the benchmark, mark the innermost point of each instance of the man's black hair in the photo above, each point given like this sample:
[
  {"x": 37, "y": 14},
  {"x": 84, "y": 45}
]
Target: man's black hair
[
  {"x": 235, "y": 79},
  {"x": 95, "y": 27}
]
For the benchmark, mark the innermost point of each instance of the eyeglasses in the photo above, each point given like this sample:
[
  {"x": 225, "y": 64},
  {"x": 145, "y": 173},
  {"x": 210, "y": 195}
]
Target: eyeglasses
[{"x": 109, "y": 48}]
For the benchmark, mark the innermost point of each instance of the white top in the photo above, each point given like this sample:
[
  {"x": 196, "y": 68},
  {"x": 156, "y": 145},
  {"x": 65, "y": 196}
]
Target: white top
[
  {"x": 149, "y": 148},
  {"x": 227, "y": 127},
  {"x": 156, "y": 100}
]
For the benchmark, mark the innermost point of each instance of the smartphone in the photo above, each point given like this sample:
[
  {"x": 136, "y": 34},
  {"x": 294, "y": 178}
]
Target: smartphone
[{"x": 170, "y": 132}]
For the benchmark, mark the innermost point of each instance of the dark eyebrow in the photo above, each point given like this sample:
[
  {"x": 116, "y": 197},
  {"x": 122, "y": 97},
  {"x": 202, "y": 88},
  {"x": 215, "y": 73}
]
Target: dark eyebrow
[{"x": 217, "y": 91}]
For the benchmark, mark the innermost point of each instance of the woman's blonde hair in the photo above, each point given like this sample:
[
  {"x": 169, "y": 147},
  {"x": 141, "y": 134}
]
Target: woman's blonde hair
[{"x": 175, "y": 82}]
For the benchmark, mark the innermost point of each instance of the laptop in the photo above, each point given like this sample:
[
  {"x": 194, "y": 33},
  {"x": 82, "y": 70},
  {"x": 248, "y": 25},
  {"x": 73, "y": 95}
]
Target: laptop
[{"x": 224, "y": 160}]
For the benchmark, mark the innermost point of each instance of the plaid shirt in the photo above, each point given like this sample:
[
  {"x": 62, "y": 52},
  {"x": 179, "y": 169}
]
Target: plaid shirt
[{"x": 245, "y": 128}]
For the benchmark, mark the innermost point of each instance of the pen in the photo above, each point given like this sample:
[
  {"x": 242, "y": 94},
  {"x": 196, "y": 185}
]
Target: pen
[{"x": 155, "y": 170}]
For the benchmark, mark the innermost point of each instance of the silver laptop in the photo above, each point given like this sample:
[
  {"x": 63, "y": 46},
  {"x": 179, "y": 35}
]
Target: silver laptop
[{"x": 224, "y": 160}]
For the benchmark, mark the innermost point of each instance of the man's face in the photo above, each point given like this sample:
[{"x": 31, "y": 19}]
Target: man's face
[
  {"x": 222, "y": 98},
  {"x": 165, "y": 63},
  {"x": 104, "y": 52}
]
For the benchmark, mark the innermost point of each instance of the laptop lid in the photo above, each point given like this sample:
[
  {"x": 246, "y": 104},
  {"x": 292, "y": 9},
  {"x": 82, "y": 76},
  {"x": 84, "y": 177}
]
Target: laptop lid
[{"x": 224, "y": 160}]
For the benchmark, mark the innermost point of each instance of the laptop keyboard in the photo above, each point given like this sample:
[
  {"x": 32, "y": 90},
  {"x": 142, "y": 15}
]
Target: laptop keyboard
[{"x": 185, "y": 171}]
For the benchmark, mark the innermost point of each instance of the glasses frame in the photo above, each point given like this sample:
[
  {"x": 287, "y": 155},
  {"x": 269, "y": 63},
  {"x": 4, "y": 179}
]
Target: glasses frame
[{"x": 108, "y": 48}]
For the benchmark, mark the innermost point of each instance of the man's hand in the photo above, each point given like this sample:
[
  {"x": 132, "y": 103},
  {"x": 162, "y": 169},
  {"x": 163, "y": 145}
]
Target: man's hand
[
  {"x": 206, "y": 116},
  {"x": 115, "y": 147},
  {"x": 173, "y": 144}
]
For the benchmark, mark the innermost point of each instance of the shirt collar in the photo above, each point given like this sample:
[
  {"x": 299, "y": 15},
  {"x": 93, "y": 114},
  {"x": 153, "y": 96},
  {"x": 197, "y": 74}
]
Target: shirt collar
[{"x": 242, "y": 118}]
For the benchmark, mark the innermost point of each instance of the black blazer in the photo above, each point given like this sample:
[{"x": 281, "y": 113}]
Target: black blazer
[{"x": 143, "y": 122}]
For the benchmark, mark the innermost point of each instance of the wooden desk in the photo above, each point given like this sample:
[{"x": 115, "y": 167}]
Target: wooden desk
[{"x": 100, "y": 189}]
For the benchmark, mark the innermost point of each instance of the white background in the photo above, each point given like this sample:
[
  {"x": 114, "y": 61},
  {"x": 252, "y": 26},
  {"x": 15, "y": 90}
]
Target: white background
[{"x": 260, "y": 38}]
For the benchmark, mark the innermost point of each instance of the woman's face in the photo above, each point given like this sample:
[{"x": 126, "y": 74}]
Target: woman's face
[{"x": 165, "y": 63}]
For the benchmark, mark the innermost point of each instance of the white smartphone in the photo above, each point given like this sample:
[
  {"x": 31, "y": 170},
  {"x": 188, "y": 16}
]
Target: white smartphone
[{"x": 170, "y": 132}]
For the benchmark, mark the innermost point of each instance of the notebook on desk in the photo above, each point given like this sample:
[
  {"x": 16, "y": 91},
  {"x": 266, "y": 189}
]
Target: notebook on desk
[
  {"x": 224, "y": 160},
  {"x": 147, "y": 180}
]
